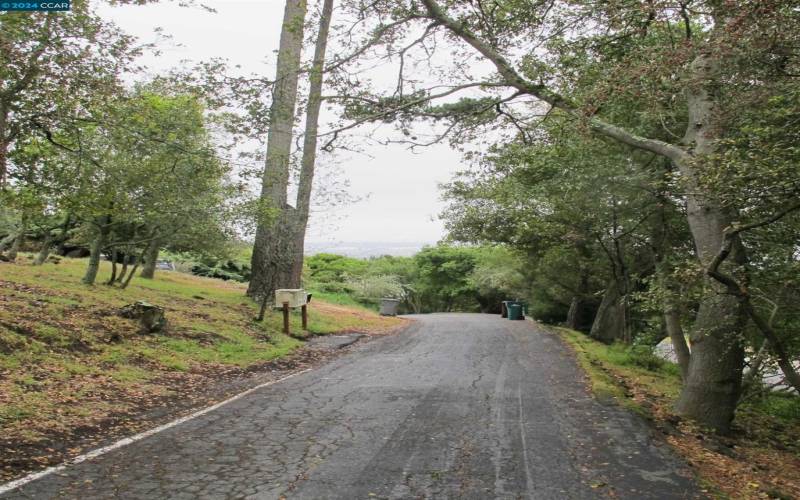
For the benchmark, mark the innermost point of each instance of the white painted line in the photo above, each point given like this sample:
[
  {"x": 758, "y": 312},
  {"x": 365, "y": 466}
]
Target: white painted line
[{"x": 12, "y": 485}]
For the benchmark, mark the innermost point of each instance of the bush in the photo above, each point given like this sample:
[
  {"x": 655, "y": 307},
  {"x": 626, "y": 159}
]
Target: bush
[
  {"x": 643, "y": 357},
  {"x": 225, "y": 270},
  {"x": 783, "y": 406}
]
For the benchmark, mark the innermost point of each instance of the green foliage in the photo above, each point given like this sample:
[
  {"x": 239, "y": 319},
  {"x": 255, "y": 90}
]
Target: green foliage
[
  {"x": 443, "y": 282},
  {"x": 347, "y": 280},
  {"x": 784, "y": 406},
  {"x": 224, "y": 270},
  {"x": 439, "y": 278},
  {"x": 578, "y": 212},
  {"x": 330, "y": 272},
  {"x": 643, "y": 356}
]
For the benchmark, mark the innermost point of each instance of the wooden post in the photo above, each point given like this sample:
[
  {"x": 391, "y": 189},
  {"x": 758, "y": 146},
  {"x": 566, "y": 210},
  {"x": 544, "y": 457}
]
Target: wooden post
[
  {"x": 286, "y": 318},
  {"x": 304, "y": 310},
  {"x": 263, "y": 308}
]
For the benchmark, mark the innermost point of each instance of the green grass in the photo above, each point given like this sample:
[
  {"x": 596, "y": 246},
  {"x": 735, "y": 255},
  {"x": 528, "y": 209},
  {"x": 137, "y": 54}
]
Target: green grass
[
  {"x": 343, "y": 299},
  {"x": 602, "y": 362},
  {"x": 785, "y": 407}
]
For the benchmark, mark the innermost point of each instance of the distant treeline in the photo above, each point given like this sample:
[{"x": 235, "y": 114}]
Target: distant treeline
[{"x": 437, "y": 279}]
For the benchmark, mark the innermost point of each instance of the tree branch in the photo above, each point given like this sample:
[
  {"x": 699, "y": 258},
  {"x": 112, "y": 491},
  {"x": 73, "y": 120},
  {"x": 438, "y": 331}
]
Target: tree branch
[
  {"x": 775, "y": 344},
  {"x": 542, "y": 92}
]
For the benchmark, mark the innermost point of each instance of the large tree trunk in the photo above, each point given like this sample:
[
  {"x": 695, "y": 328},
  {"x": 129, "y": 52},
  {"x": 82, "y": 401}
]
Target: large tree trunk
[
  {"x": 275, "y": 265},
  {"x": 271, "y": 251},
  {"x": 96, "y": 249},
  {"x": 310, "y": 141},
  {"x": 150, "y": 259},
  {"x": 610, "y": 322},
  {"x": 713, "y": 383}
]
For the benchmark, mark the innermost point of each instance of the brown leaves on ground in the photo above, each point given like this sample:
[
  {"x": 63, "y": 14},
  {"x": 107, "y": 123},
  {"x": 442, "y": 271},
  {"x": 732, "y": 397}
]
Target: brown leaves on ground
[
  {"x": 113, "y": 412},
  {"x": 743, "y": 465}
]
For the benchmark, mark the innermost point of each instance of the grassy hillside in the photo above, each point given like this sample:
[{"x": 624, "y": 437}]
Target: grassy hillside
[{"x": 69, "y": 363}]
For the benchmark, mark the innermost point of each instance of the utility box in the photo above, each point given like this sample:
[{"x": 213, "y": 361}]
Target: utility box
[
  {"x": 389, "y": 307},
  {"x": 296, "y": 297}
]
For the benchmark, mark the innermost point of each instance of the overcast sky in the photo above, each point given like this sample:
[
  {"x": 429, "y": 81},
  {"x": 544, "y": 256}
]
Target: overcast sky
[{"x": 398, "y": 188}]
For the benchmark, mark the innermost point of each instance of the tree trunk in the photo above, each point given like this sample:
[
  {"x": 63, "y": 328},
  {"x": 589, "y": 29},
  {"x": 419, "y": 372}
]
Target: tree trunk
[
  {"x": 96, "y": 249},
  {"x": 672, "y": 320},
  {"x": 124, "y": 283},
  {"x": 610, "y": 321},
  {"x": 50, "y": 240},
  {"x": 755, "y": 368},
  {"x": 19, "y": 239},
  {"x": 44, "y": 252},
  {"x": 150, "y": 259},
  {"x": 7, "y": 241},
  {"x": 16, "y": 245},
  {"x": 579, "y": 314},
  {"x": 713, "y": 383},
  {"x": 275, "y": 264},
  {"x": 573, "y": 313},
  {"x": 272, "y": 251},
  {"x": 126, "y": 258},
  {"x": 310, "y": 142},
  {"x": 113, "y": 276},
  {"x": 661, "y": 247},
  {"x": 774, "y": 342}
]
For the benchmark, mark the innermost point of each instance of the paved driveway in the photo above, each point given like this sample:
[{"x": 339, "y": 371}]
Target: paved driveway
[{"x": 458, "y": 406}]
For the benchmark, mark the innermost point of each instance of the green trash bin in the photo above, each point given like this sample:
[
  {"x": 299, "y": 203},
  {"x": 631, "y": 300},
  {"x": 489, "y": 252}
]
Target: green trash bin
[{"x": 514, "y": 311}]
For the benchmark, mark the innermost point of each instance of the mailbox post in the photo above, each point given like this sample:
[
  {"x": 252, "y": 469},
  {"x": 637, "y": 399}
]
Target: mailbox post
[{"x": 287, "y": 298}]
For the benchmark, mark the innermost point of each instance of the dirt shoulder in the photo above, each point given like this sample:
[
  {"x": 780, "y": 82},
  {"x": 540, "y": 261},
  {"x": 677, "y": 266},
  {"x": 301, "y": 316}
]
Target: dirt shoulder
[{"x": 759, "y": 459}]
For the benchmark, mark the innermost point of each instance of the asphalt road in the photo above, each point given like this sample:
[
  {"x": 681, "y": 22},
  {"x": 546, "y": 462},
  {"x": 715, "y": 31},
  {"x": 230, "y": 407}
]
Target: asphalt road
[{"x": 458, "y": 406}]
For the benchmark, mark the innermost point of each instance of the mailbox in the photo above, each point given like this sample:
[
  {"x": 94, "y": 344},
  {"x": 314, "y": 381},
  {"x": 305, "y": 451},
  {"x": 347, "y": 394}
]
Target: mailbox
[{"x": 296, "y": 297}]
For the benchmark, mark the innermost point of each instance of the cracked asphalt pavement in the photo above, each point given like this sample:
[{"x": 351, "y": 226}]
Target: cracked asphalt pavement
[{"x": 457, "y": 406}]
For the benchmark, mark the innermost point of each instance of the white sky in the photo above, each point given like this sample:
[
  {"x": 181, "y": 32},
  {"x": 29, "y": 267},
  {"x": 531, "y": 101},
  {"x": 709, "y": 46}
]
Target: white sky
[{"x": 399, "y": 188}]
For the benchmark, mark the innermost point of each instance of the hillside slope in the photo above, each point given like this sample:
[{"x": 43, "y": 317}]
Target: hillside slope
[{"x": 72, "y": 370}]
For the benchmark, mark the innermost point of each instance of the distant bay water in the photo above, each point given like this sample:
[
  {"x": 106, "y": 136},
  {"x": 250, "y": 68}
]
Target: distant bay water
[{"x": 365, "y": 249}]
